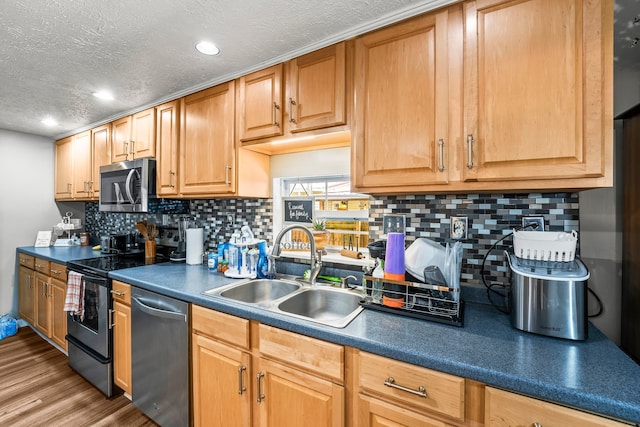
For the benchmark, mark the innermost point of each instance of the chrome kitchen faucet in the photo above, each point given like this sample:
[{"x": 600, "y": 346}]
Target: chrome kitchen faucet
[{"x": 316, "y": 255}]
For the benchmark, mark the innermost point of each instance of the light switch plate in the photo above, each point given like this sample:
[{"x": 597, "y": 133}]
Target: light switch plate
[{"x": 459, "y": 225}]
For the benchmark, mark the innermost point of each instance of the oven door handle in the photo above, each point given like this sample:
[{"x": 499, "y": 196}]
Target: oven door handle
[
  {"x": 100, "y": 281},
  {"x": 157, "y": 312}
]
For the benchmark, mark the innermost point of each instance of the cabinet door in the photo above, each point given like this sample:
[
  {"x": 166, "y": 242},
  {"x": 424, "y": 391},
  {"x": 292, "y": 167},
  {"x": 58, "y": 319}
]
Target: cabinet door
[
  {"x": 58, "y": 290},
  {"x": 316, "y": 89},
  {"x": 401, "y": 112},
  {"x": 167, "y": 133},
  {"x": 535, "y": 90},
  {"x": 260, "y": 104},
  {"x": 221, "y": 384},
  {"x": 503, "y": 408},
  {"x": 43, "y": 309},
  {"x": 64, "y": 169},
  {"x": 26, "y": 292},
  {"x": 289, "y": 397},
  {"x": 378, "y": 413},
  {"x": 207, "y": 149},
  {"x": 101, "y": 145},
  {"x": 82, "y": 160},
  {"x": 120, "y": 139},
  {"x": 122, "y": 346},
  {"x": 143, "y": 134}
]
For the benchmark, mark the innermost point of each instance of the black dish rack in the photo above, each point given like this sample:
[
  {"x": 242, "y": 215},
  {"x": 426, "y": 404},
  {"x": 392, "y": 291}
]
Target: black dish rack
[{"x": 415, "y": 299}]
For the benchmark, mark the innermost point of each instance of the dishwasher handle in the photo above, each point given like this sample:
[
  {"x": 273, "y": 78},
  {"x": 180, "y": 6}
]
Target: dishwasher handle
[{"x": 158, "y": 312}]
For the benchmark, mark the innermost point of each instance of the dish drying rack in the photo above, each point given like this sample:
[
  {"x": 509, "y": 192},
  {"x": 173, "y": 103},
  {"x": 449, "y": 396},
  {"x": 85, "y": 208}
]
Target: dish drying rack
[{"x": 418, "y": 300}]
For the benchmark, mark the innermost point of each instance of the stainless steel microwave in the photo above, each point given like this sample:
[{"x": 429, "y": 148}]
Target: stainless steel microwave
[{"x": 127, "y": 186}]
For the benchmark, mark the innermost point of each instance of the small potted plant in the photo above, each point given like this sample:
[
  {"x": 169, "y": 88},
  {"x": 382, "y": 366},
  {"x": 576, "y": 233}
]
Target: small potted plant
[{"x": 320, "y": 234}]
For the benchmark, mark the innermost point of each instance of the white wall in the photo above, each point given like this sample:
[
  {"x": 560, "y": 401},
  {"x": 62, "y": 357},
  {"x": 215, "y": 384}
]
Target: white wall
[{"x": 26, "y": 203}]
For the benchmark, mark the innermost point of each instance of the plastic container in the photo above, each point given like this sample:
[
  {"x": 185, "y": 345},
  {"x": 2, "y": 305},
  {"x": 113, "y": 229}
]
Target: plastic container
[
  {"x": 378, "y": 273},
  {"x": 545, "y": 245}
]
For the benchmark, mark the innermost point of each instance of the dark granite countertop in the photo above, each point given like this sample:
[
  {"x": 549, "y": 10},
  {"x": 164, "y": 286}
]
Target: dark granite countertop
[{"x": 593, "y": 375}]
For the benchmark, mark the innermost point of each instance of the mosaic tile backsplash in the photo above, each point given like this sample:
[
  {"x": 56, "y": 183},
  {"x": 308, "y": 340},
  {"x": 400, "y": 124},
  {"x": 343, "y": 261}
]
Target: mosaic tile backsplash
[{"x": 490, "y": 217}]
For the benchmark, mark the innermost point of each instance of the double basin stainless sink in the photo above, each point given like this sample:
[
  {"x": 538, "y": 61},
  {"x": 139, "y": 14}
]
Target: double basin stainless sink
[{"x": 325, "y": 305}]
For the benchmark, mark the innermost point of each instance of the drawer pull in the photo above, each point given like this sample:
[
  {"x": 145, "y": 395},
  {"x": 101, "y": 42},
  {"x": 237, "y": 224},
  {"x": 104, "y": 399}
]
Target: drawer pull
[
  {"x": 537, "y": 425},
  {"x": 54, "y": 271},
  {"x": 421, "y": 391},
  {"x": 117, "y": 293}
]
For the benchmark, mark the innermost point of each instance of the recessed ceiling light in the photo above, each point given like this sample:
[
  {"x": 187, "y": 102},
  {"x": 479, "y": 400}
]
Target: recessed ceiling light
[
  {"x": 48, "y": 121},
  {"x": 207, "y": 48},
  {"x": 104, "y": 95}
]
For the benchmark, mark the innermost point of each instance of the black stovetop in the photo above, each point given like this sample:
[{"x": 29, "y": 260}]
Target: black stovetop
[{"x": 103, "y": 265}]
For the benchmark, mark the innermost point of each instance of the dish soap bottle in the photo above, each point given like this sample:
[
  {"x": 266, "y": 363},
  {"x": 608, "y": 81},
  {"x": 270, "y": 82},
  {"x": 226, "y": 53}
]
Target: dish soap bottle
[
  {"x": 378, "y": 275},
  {"x": 263, "y": 263}
]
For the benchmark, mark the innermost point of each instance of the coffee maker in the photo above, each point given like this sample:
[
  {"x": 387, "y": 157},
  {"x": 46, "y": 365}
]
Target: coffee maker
[{"x": 180, "y": 252}]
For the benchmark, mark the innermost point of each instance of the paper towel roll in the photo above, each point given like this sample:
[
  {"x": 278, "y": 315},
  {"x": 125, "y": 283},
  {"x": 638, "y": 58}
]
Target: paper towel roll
[{"x": 195, "y": 245}]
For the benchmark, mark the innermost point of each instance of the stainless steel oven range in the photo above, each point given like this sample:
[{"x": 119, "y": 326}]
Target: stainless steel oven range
[{"x": 91, "y": 338}]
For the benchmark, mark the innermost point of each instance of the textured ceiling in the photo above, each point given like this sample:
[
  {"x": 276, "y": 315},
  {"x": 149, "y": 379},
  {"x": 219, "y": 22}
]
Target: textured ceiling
[{"x": 55, "y": 53}]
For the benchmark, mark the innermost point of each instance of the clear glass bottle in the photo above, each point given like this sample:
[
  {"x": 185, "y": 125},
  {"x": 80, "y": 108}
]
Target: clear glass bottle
[{"x": 378, "y": 275}]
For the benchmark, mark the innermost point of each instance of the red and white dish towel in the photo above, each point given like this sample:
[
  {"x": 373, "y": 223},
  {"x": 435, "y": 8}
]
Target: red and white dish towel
[{"x": 74, "y": 300}]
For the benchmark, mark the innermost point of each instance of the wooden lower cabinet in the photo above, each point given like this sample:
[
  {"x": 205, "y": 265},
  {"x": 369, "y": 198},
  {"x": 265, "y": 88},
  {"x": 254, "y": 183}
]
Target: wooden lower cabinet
[
  {"x": 50, "y": 290},
  {"x": 240, "y": 379},
  {"x": 58, "y": 289},
  {"x": 121, "y": 294},
  {"x": 26, "y": 293},
  {"x": 291, "y": 397},
  {"x": 42, "y": 320},
  {"x": 378, "y": 413},
  {"x": 221, "y": 384},
  {"x": 507, "y": 409}
]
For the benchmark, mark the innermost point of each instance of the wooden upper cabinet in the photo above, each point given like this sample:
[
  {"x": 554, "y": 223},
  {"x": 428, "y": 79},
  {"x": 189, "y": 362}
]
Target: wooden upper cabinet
[
  {"x": 133, "y": 137},
  {"x": 207, "y": 148},
  {"x": 400, "y": 127},
  {"x": 167, "y": 143},
  {"x": 143, "y": 134},
  {"x": 537, "y": 89},
  {"x": 64, "y": 169},
  {"x": 120, "y": 139},
  {"x": 101, "y": 146},
  {"x": 260, "y": 104},
  {"x": 316, "y": 89},
  {"x": 82, "y": 172}
]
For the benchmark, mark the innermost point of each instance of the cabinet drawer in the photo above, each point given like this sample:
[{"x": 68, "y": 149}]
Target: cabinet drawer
[
  {"x": 58, "y": 271},
  {"x": 26, "y": 260},
  {"x": 503, "y": 408},
  {"x": 221, "y": 326},
  {"x": 312, "y": 355},
  {"x": 42, "y": 266},
  {"x": 121, "y": 292},
  {"x": 404, "y": 383}
]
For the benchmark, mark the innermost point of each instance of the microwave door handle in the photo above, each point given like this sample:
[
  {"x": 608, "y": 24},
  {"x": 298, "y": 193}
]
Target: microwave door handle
[{"x": 128, "y": 188}]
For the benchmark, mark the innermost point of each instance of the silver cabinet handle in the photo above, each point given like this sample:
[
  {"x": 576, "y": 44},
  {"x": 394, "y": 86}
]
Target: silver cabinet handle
[
  {"x": 69, "y": 187},
  {"x": 125, "y": 146},
  {"x": 132, "y": 151},
  {"x": 441, "y": 150},
  {"x": 90, "y": 186},
  {"x": 261, "y": 396},
  {"x": 110, "y": 321},
  {"x": 171, "y": 175},
  {"x": 470, "y": 152},
  {"x": 536, "y": 425},
  {"x": 391, "y": 382},
  {"x": 227, "y": 179},
  {"x": 275, "y": 114},
  {"x": 241, "y": 387},
  {"x": 292, "y": 104},
  {"x": 55, "y": 271},
  {"x": 117, "y": 293}
]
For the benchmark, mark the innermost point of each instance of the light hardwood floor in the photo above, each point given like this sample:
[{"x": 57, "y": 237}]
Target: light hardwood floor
[{"x": 38, "y": 388}]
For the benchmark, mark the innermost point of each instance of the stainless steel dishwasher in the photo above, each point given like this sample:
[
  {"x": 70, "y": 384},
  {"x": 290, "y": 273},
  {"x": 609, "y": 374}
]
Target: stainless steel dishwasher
[{"x": 160, "y": 357}]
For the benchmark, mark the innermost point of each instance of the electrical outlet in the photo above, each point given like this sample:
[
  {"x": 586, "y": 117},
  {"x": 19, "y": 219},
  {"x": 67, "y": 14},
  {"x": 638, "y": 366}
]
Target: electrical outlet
[
  {"x": 231, "y": 220},
  {"x": 538, "y": 220},
  {"x": 459, "y": 225}
]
